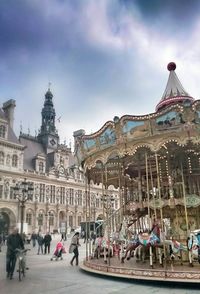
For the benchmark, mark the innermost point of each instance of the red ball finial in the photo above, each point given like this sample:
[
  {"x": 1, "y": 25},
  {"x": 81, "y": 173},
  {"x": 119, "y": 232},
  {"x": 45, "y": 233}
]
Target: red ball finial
[{"x": 171, "y": 66}]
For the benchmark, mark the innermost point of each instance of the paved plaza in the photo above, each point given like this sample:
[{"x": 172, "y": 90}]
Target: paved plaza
[{"x": 45, "y": 276}]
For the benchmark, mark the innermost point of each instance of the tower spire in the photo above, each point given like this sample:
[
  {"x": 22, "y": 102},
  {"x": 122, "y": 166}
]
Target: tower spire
[
  {"x": 48, "y": 133},
  {"x": 174, "y": 91}
]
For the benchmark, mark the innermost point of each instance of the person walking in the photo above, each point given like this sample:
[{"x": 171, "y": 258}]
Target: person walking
[
  {"x": 14, "y": 242},
  {"x": 40, "y": 240},
  {"x": 47, "y": 243},
  {"x": 73, "y": 248},
  {"x": 34, "y": 238}
]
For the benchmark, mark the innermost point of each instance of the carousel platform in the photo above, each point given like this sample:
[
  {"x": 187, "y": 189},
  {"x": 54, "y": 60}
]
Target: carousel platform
[{"x": 141, "y": 271}]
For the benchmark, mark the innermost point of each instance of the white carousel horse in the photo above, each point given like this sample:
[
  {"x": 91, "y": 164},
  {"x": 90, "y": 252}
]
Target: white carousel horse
[
  {"x": 194, "y": 246},
  {"x": 103, "y": 246}
]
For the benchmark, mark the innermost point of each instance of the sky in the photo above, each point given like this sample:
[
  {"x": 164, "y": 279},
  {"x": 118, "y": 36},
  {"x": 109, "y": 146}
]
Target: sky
[{"x": 103, "y": 58}]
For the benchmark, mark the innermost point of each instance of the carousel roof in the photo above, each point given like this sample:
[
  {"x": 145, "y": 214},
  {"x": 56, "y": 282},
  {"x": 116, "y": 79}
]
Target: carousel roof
[{"x": 174, "y": 92}]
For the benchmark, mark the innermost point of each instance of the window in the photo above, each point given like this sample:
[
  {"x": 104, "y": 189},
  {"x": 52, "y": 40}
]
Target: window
[
  {"x": 41, "y": 167},
  {"x": 71, "y": 221},
  {"x": 62, "y": 195},
  {"x": 12, "y": 196},
  {"x": 116, "y": 204},
  {"x": 52, "y": 194},
  {"x": 1, "y": 157},
  {"x": 2, "y": 131},
  {"x": 80, "y": 197},
  {"x": 8, "y": 159},
  {"x": 97, "y": 202},
  {"x": 71, "y": 196},
  {"x": 40, "y": 219},
  {"x": 1, "y": 191},
  {"x": 51, "y": 220},
  {"x": 79, "y": 220},
  {"x": 14, "y": 160},
  {"x": 29, "y": 219},
  {"x": 42, "y": 192}
]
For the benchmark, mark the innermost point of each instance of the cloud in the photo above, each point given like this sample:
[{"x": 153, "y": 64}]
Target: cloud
[{"x": 104, "y": 58}]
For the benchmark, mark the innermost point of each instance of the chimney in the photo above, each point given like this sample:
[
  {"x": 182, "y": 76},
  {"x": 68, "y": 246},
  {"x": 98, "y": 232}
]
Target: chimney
[{"x": 8, "y": 108}]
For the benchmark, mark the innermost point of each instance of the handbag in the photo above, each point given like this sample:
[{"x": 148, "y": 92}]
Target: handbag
[{"x": 71, "y": 248}]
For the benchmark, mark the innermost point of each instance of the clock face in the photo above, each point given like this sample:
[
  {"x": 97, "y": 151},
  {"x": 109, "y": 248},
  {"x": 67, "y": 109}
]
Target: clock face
[{"x": 52, "y": 142}]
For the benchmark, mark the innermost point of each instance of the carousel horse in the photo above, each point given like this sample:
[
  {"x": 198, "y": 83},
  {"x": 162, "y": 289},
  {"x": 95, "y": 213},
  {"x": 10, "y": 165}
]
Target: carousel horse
[
  {"x": 132, "y": 245},
  {"x": 174, "y": 250},
  {"x": 103, "y": 247},
  {"x": 193, "y": 244},
  {"x": 151, "y": 240}
]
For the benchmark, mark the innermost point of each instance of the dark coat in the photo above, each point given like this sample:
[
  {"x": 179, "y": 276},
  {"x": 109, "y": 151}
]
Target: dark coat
[
  {"x": 47, "y": 239},
  {"x": 14, "y": 241},
  {"x": 40, "y": 240}
]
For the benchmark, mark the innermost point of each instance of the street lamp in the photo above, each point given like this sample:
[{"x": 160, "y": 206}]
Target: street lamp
[{"x": 23, "y": 192}]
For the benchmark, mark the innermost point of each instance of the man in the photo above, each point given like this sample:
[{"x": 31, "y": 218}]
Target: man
[
  {"x": 14, "y": 242},
  {"x": 47, "y": 242},
  {"x": 34, "y": 238}
]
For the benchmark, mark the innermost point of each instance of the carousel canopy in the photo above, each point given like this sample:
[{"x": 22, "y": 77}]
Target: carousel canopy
[
  {"x": 177, "y": 119},
  {"x": 174, "y": 92}
]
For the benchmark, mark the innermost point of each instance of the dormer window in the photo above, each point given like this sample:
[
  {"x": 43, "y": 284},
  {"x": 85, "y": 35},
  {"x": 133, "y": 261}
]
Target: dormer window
[
  {"x": 41, "y": 167},
  {"x": 2, "y": 131},
  {"x": 14, "y": 160}
]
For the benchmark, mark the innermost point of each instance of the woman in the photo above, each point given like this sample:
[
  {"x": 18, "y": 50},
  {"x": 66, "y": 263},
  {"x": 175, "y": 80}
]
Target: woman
[{"x": 74, "y": 247}]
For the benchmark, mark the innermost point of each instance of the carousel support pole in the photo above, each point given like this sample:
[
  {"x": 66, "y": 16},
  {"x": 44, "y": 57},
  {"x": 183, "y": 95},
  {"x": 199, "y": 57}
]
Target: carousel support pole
[
  {"x": 103, "y": 198},
  {"x": 152, "y": 188},
  {"x": 86, "y": 208},
  {"x": 151, "y": 256},
  {"x": 147, "y": 182},
  {"x": 89, "y": 209},
  {"x": 186, "y": 214},
  {"x": 102, "y": 180},
  {"x": 161, "y": 211},
  {"x": 107, "y": 213},
  {"x": 120, "y": 193}
]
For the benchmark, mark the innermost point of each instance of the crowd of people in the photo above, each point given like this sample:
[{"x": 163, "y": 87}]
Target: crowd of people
[{"x": 42, "y": 242}]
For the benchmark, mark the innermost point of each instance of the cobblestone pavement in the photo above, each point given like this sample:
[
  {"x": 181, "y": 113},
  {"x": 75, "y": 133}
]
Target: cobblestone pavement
[{"x": 45, "y": 276}]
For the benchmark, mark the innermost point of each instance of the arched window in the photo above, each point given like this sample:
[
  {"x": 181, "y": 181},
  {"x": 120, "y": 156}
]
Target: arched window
[
  {"x": 1, "y": 157},
  {"x": 2, "y": 131},
  {"x": 41, "y": 166},
  {"x": 14, "y": 160}
]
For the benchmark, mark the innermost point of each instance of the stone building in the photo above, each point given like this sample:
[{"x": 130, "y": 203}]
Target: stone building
[{"x": 58, "y": 199}]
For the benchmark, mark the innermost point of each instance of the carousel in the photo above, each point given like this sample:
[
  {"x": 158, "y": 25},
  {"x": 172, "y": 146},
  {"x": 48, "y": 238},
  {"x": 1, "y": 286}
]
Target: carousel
[{"x": 153, "y": 163}]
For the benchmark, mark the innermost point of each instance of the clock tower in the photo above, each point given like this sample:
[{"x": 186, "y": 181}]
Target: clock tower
[{"x": 48, "y": 134}]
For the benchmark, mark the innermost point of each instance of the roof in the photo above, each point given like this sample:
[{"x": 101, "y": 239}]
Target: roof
[
  {"x": 11, "y": 136},
  {"x": 174, "y": 91},
  {"x": 33, "y": 147}
]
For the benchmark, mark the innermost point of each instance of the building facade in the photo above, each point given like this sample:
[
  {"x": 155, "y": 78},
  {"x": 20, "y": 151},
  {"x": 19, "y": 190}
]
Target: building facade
[{"x": 58, "y": 200}]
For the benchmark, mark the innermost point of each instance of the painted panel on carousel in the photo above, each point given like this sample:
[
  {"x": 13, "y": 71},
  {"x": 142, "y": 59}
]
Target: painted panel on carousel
[
  {"x": 135, "y": 128},
  {"x": 108, "y": 137},
  {"x": 169, "y": 120},
  {"x": 197, "y": 117},
  {"x": 89, "y": 144}
]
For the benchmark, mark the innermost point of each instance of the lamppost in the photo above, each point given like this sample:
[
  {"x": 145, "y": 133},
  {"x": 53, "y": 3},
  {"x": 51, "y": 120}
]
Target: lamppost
[{"x": 23, "y": 192}]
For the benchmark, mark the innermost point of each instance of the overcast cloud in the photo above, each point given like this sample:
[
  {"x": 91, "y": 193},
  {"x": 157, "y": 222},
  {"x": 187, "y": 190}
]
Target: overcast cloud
[{"x": 103, "y": 57}]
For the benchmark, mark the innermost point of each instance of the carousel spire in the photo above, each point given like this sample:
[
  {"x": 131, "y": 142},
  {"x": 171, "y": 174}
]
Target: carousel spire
[{"x": 174, "y": 92}]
